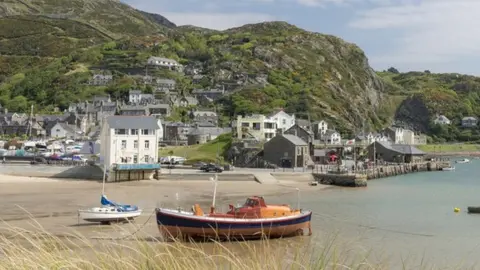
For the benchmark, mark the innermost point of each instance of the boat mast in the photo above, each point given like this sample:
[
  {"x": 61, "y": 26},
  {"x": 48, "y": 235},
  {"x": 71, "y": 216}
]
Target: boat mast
[
  {"x": 215, "y": 180},
  {"x": 30, "y": 122},
  {"x": 298, "y": 198},
  {"x": 104, "y": 174}
]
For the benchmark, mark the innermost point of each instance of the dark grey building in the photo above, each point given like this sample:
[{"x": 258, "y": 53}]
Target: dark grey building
[
  {"x": 397, "y": 153},
  {"x": 287, "y": 151}
]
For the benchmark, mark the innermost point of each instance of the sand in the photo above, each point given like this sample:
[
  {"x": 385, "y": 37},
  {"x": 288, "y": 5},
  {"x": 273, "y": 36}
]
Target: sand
[{"x": 51, "y": 205}]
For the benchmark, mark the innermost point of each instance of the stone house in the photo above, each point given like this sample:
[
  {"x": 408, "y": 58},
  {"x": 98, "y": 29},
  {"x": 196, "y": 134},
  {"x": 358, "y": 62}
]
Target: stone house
[
  {"x": 200, "y": 135},
  {"x": 396, "y": 153},
  {"x": 287, "y": 151},
  {"x": 204, "y": 116}
]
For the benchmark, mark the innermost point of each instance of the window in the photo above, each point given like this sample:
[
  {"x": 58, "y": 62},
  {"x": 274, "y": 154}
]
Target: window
[
  {"x": 135, "y": 159},
  {"x": 124, "y": 144},
  {"x": 134, "y": 131},
  {"x": 135, "y": 144},
  {"x": 147, "y": 158},
  {"x": 121, "y": 132},
  {"x": 146, "y": 132},
  {"x": 245, "y": 124},
  {"x": 284, "y": 121},
  {"x": 147, "y": 144}
]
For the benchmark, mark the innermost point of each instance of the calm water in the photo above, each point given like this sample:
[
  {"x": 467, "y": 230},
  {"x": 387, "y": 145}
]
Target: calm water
[{"x": 408, "y": 216}]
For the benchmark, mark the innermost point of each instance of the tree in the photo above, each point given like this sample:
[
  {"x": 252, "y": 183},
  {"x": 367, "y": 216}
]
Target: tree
[{"x": 393, "y": 70}]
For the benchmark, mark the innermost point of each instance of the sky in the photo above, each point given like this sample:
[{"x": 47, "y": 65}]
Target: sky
[{"x": 435, "y": 35}]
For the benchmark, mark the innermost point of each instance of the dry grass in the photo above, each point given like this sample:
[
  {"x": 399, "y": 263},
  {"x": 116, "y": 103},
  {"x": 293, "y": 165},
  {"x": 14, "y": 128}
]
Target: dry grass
[{"x": 22, "y": 249}]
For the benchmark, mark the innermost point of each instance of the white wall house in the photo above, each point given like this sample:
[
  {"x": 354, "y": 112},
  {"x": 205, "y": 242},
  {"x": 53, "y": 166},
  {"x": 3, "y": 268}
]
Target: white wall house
[
  {"x": 408, "y": 137},
  {"x": 129, "y": 139},
  {"x": 332, "y": 137},
  {"x": 162, "y": 62},
  {"x": 320, "y": 128},
  {"x": 257, "y": 125},
  {"x": 442, "y": 120},
  {"x": 284, "y": 120},
  {"x": 136, "y": 96},
  {"x": 62, "y": 130}
]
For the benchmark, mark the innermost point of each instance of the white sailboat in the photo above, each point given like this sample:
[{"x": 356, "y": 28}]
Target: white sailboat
[{"x": 109, "y": 211}]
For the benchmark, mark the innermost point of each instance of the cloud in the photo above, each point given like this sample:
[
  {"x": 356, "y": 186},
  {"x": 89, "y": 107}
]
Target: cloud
[
  {"x": 218, "y": 21},
  {"x": 429, "y": 31}
]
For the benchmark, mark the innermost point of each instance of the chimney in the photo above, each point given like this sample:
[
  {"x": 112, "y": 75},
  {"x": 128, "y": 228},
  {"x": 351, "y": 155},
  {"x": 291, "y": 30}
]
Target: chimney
[{"x": 295, "y": 132}]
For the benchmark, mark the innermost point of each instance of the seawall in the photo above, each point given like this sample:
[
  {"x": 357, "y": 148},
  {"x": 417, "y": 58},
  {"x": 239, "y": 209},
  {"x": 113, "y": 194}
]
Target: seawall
[
  {"x": 343, "y": 180},
  {"x": 68, "y": 172},
  {"x": 393, "y": 170}
]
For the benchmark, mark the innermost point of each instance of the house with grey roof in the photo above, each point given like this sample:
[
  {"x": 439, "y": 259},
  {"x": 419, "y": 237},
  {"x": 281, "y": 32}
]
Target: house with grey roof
[
  {"x": 100, "y": 79},
  {"x": 469, "y": 122},
  {"x": 287, "y": 151},
  {"x": 163, "y": 62},
  {"x": 184, "y": 101},
  {"x": 396, "y": 153},
  {"x": 200, "y": 135},
  {"x": 137, "y": 96},
  {"x": 133, "y": 110},
  {"x": 64, "y": 130},
  {"x": 213, "y": 94},
  {"x": 204, "y": 116},
  {"x": 129, "y": 140}
]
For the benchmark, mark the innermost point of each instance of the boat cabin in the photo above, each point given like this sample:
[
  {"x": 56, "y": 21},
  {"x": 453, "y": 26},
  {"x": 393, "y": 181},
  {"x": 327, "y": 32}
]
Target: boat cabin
[{"x": 254, "y": 207}]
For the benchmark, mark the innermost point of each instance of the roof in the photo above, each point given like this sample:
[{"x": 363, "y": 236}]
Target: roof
[
  {"x": 132, "y": 122},
  {"x": 302, "y": 122},
  {"x": 166, "y": 81},
  {"x": 404, "y": 149},
  {"x": 294, "y": 139},
  {"x": 469, "y": 118},
  {"x": 66, "y": 127},
  {"x": 208, "y": 131}
]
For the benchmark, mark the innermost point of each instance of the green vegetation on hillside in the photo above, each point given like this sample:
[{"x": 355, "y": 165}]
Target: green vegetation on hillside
[
  {"x": 449, "y": 148},
  {"x": 49, "y": 49},
  {"x": 425, "y": 95}
]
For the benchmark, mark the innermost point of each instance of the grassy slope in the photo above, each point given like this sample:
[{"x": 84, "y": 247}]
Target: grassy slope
[
  {"x": 203, "y": 152},
  {"x": 449, "y": 148}
]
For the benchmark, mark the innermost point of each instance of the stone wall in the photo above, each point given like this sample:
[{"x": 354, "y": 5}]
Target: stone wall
[{"x": 344, "y": 180}]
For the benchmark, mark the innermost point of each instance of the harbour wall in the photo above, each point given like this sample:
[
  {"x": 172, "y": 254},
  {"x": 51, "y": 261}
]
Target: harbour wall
[
  {"x": 393, "y": 170},
  {"x": 67, "y": 172},
  {"x": 343, "y": 180}
]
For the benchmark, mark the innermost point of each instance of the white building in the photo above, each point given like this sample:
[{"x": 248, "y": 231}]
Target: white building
[
  {"x": 136, "y": 96},
  {"x": 320, "y": 128},
  {"x": 129, "y": 139},
  {"x": 408, "y": 137},
  {"x": 442, "y": 120},
  {"x": 284, "y": 120},
  {"x": 62, "y": 130},
  {"x": 163, "y": 62},
  {"x": 257, "y": 126},
  {"x": 332, "y": 137}
]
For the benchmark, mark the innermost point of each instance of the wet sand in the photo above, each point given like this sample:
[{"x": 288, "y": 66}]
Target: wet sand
[{"x": 51, "y": 205}]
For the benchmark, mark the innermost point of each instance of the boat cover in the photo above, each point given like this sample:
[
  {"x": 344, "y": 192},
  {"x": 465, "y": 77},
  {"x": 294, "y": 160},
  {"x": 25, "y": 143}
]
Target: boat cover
[{"x": 124, "y": 207}]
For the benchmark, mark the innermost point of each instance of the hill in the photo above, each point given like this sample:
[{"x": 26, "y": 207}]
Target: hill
[
  {"x": 49, "y": 49},
  {"x": 421, "y": 96},
  {"x": 58, "y": 27}
]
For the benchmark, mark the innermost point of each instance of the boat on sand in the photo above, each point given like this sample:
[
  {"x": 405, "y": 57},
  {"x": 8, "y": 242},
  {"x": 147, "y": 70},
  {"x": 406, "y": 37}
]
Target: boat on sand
[
  {"x": 254, "y": 219},
  {"x": 473, "y": 209},
  {"x": 109, "y": 211}
]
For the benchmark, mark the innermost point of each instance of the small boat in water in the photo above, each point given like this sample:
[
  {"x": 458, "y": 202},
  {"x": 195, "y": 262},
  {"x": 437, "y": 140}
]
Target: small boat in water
[
  {"x": 464, "y": 160},
  {"x": 451, "y": 168},
  {"x": 254, "y": 219},
  {"x": 473, "y": 209}
]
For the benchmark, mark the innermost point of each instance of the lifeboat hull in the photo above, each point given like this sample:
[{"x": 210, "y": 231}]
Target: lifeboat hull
[{"x": 175, "y": 224}]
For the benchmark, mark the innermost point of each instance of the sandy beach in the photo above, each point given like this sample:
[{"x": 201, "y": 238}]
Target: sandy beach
[{"x": 51, "y": 205}]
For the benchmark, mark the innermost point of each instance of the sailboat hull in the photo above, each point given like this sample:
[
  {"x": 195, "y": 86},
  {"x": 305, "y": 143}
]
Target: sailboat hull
[{"x": 107, "y": 214}]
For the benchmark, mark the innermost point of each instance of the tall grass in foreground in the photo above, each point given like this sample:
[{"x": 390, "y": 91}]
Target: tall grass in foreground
[{"x": 21, "y": 249}]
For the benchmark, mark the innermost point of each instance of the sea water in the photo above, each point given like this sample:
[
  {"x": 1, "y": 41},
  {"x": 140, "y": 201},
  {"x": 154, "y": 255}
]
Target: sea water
[{"x": 407, "y": 219}]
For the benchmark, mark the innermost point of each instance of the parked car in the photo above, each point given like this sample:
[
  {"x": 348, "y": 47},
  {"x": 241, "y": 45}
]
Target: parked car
[
  {"x": 199, "y": 165},
  {"x": 211, "y": 168}
]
